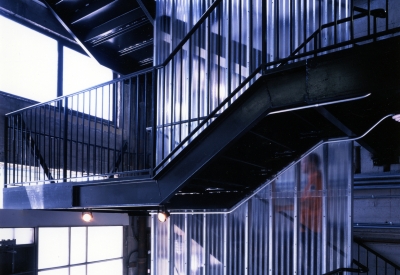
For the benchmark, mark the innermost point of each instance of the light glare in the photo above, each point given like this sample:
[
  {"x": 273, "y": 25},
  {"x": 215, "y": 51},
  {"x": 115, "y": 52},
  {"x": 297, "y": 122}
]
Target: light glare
[{"x": 87, "y": 216}]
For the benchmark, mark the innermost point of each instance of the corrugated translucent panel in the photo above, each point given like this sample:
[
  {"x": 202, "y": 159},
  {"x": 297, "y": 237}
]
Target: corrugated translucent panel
[
  {"x": 300, "y": 223},
  {"x": 225, "y": 50}
]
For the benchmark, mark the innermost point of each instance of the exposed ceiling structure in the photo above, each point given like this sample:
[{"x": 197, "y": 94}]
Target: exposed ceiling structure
[{"x": 118, "y": 34}]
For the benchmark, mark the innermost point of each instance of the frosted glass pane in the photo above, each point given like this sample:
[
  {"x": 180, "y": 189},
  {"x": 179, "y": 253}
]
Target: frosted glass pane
[
  {"x": 24, "y": 235},
  {"x": 105, "y": 242},
  {"x": 82, "y": 72},
  {"x": 53, "y": 247},
  {"x": 28, "y": 62},
  {"x": 60, "y": 271},
  {"x": 105, "y": 268},
  {"x": 78, "y": 245},
  {"x": 6, "y": 233},
  {"x": 78, "y": 270}
]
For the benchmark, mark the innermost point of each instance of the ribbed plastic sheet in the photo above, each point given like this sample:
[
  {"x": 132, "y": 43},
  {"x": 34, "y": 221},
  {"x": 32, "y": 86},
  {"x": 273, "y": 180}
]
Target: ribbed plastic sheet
[
  {"x": 299, "y": 223},
  {"x": 227, "y": 48}
]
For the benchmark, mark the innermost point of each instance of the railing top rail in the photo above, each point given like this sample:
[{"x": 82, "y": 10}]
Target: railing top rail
[{"x": 85, "y": 90}]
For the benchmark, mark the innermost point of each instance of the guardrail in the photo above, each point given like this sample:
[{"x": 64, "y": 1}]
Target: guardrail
[{"x": 137, "y": 124}]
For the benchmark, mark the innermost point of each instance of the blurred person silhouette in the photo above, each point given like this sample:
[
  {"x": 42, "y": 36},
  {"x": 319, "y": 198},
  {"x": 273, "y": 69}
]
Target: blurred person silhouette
[
  {"x": 310, "y": 211},
  {"x": 311, "y": 214}
]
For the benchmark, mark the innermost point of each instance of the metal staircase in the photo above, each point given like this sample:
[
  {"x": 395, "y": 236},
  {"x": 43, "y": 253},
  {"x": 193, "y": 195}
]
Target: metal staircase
[{"x": 265, "y": 123}]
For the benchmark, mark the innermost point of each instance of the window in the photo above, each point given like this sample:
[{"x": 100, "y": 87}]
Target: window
[
  {"x": 80, "y": 250},
  {"x": 29, "y": 65},
  {"x": 21, "y": 235},
  {"x": 28, "y": 62},
  {"x": 82, "y": 72}
]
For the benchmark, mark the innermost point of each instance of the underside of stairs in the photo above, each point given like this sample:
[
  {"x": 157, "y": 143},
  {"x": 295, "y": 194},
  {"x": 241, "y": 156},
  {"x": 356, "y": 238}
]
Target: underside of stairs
[{"x": 281, "y": 117}]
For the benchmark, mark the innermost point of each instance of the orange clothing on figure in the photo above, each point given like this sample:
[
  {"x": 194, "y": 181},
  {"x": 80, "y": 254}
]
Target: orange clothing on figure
[{"x": 311, "y": 203}]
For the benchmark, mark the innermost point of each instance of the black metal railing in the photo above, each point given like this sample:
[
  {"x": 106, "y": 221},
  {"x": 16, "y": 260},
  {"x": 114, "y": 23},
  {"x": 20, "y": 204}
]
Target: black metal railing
[
  {"x": 188, "y": 101},
  {"x": 97, "y": 133},
  {"x": 377, "y": 263},
  {"x": 137, "y": 124}
]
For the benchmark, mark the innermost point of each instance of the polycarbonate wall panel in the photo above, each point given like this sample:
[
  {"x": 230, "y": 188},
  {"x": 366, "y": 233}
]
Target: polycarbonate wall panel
[
  {"x": 299, "y": 223},
  {"x": 225, "y": 50}
]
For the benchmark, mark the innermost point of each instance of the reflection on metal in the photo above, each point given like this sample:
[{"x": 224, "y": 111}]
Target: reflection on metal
[
  {"x": 320, "y": 104},
  {"x": 283, "y": 229}
]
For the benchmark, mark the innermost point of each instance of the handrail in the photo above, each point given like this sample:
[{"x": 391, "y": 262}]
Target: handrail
[
  {"x": 361, "y": 269},
  {"x": 125, "y": 77},
  {"x": 381, "y": 13}
]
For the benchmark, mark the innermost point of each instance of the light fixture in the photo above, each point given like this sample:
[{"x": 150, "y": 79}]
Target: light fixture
[
  {"x": 87, "y": 216},
  {"x": 163, "y": 215}
]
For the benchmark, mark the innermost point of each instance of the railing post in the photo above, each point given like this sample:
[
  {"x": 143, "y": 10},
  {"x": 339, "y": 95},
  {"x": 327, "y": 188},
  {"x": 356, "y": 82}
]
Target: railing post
[
  {"x": 264, "y": 36},
  {"x": 5, "y": 150},
  {"x": 153, "y": 122},
  {"x": 65, "y": 141}
]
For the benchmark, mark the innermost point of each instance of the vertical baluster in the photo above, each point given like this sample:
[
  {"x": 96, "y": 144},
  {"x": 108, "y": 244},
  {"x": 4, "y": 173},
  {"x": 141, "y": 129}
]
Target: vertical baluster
[
  {"x": 50, "y": 149},
  {"x": 77, "y": 135},
  {"x": 117, "y": 122},
  {"x": 6, "y": 148},
  {"x": 83, "y": 133},
  {"x": 131, "y": 130},
  {"x": 264, "y": 34},
  {"x": 103, "y": 118},
  {"x": 111, "y": 99},
  {"x": 71, "y": 102},
  {"x": 198, "y": 75},
  {"x": 40, "y": 135},
  {"x": 122, "y": 126},
  {"x": 89, "y": 115},
  {"x": 95, "y": 160},
  {"x": 180, "y": 95},
  {"x": 65, "y": 140},
  {"x": 137, "y": 149},
  {"x": 163, "y": 113},
  {"x": 208, "y": 64},
  {"x": 153, "y": 119}
]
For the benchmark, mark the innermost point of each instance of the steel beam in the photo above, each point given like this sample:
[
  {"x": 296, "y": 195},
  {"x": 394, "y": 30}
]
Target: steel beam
[
  {"x": 111, "y": 28},
  {"x": 88, "y": 10}
]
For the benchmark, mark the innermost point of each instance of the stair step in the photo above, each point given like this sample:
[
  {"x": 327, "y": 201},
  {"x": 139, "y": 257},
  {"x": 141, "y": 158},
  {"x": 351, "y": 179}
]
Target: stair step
[{"x": 91, "y": 9}]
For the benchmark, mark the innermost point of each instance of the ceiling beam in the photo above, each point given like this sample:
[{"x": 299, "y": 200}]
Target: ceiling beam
[
  {"x": 89, "y": 10},
  {"x": 115, "y": 27},
  {"x": 146, "y": 11}
]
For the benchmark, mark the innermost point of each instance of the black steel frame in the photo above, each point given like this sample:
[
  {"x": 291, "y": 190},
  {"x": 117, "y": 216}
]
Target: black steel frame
[{"x": 69, "y": 133}]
